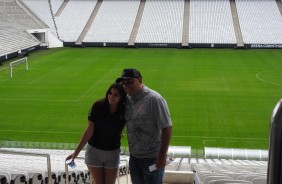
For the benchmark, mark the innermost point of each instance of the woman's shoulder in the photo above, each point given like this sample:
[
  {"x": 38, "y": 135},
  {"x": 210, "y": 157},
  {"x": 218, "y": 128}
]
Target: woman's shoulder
[{"x": 99, "y": 104}]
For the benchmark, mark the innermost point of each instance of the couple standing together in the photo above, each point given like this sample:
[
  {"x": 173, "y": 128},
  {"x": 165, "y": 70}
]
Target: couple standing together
[{"x": 148, "y": 124}]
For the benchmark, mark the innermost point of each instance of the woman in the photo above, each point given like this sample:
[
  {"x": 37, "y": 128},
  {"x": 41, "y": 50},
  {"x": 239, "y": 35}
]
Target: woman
[{"x": 103, "y": 134}]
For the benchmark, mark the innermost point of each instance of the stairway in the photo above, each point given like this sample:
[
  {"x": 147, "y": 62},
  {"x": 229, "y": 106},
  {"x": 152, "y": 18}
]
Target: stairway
[
  {"x": 135, "y": 29},
  {"x": 89, "y": 23},
  {"x": 236, "y": 24},
  {"x": 185, "y": 32},
  {"x": 62, "y": 7}
]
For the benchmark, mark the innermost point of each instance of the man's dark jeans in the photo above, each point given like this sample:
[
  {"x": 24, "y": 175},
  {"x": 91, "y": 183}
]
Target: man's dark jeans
[{"x": 140, "y": 173}]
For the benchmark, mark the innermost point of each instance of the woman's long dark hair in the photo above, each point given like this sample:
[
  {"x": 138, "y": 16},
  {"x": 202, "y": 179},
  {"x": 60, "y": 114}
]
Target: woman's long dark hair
[{"x": 122, "y": 93}]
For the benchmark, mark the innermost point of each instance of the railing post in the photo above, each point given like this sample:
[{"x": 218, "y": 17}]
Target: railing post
[
  {"x": 3, "y": 151},
  {"x": 274, "y": 173}
]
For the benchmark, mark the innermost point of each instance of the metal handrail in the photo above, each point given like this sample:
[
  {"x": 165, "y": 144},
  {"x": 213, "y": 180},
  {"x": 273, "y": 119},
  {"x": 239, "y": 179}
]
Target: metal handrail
[{"x": 32, "y": 154}]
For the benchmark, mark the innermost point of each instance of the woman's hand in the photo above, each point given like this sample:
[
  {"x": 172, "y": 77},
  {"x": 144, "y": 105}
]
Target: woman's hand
[{"x": 71, "y": 156}]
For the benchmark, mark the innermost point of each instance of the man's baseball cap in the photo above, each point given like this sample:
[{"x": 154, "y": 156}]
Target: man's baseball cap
[{"x": 129, "y": 73}]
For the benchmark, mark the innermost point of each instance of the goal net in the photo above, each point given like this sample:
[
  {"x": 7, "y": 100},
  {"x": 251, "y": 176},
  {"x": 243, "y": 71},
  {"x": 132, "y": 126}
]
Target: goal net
[{"x": 18, "y": 64}]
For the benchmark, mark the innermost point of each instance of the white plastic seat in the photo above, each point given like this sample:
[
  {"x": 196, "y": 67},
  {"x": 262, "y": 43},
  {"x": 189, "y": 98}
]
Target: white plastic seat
[
  {"x": 7, "y": 176},
  {"x": 178, "y": 177}
]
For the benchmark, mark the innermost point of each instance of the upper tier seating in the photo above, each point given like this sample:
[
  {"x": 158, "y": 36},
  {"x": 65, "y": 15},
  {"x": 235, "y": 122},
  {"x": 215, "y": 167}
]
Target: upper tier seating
[
  {"x": 162, "y": 22},
  {"x": 42, "y": 9},
  {"x": 73, "y": 19},
  {"x": 260, "y": 21},
  {"x": 211, "y": 22},
  {"x": 17, "y": 16},
  {"x": 13, "y": 25},
  {"x": 114, "y": 21}
]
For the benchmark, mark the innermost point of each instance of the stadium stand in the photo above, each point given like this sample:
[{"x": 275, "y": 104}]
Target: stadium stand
[
  {"x": 57, "y": 12},
  {"x": 241, "y": 171},
  {"x": 15, "y": 14},
  {"x": 42, "y": 9},
  {"x": 73, "y": 19},
  {"x": 89, "y": 23},
  {"x": 149, "y": 23},
  {"x": 162, "y": 22},
  {"x": 185, "y": 32},
  {"x": 211, "y": 22},
  {"x": 12, "y": 41},
  {"x": 13, "y": 25},
  {"x": 183, "y": 168},
  {"x": 236, "y": 24},
  {"x": 137, "y": 22},
  {"x": 257, "y": 26},
  {"x": 113, "y": 22}
]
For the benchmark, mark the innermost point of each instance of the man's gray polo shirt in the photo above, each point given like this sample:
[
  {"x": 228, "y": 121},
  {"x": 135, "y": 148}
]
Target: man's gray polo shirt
[{"x": 146, "y": 115}]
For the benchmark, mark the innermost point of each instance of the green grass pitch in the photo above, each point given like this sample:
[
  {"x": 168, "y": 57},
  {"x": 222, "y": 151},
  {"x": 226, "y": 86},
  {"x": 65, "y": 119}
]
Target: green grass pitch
[{"x": 216, "y": 97}]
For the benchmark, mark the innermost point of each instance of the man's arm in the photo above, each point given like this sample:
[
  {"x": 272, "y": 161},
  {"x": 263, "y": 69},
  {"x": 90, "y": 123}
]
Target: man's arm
[{"x": 161, "y": 159}]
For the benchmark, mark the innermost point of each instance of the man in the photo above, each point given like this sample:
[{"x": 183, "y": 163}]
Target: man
[{"x": 148, "y": 127}]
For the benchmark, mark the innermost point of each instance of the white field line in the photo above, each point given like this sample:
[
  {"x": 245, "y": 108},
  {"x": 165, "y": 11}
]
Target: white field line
[
  {"x": 42, "y": 76},
  {"x": 96, "y": 83},
  {"x": 70, "y": 100},
  {"x": 1, "y": 70},
  {"x": 261, "y": 79},
  {"x": 277, "y": 55},
  {"x": 4, "y": 68}
]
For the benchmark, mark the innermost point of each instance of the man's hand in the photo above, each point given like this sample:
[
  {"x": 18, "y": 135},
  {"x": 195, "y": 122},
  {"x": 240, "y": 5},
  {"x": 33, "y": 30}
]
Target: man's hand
[{"x": 161, "y": 159}]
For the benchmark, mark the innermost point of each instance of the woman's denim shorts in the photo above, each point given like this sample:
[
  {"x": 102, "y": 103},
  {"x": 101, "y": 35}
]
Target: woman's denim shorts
[{"x": 99, "y": 158}]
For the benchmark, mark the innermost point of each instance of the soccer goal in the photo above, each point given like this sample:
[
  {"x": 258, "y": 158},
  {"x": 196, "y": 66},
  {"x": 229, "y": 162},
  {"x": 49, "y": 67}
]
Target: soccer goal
[{"x": 14, "y": 64}]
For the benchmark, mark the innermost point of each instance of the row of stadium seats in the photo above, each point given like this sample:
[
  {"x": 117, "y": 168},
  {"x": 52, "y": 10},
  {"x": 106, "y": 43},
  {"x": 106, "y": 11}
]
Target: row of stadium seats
[
  {"x": 77, "y": 13},
  {"x": 207, "y": 19},
  {"x": 114, "y": 22},
  {"x": 42, "y": 10},
  {"x": 162, "y": 21},
  {"x": 260, "y": 21},
  {"x": 21, "y": 168},
  {"x": 249, "y": 173},
  {"x": 210, "y": 22},
  {"x": 13, "y": 23}
]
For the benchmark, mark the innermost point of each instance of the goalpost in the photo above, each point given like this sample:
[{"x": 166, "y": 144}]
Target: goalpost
[{"x": 18, "y": 62}]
